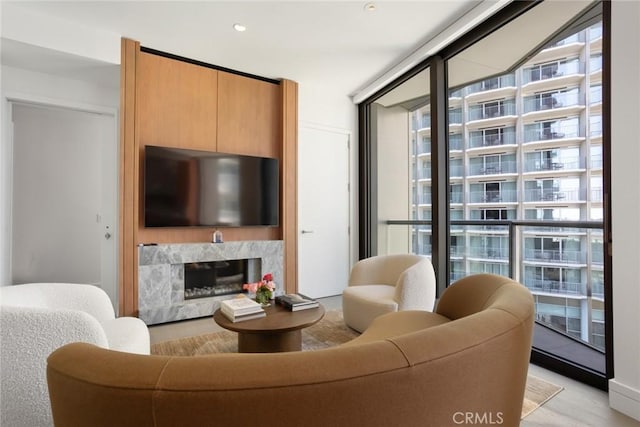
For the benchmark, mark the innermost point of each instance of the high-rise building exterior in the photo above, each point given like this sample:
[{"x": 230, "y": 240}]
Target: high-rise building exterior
[{"x": 527, "y": 146}]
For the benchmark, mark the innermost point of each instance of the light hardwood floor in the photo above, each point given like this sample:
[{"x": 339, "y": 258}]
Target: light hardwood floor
[{"x": 576, "y": 406}]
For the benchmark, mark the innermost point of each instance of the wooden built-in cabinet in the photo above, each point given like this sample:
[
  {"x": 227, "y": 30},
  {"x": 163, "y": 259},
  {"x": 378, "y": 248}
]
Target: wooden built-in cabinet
[{"x": 170, "y": 102}]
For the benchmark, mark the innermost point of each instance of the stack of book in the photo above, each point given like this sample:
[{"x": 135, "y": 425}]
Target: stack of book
[
  {"x": 239, "y": 309},
  {"x": 295, "y": 302}
]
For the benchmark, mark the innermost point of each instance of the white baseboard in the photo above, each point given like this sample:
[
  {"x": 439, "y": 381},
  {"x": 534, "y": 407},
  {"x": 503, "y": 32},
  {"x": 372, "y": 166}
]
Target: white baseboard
[{"x": 624, "y": 399}]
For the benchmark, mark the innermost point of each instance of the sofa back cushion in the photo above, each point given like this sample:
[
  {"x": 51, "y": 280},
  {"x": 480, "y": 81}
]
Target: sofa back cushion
[{"x": 382, "y": 269}]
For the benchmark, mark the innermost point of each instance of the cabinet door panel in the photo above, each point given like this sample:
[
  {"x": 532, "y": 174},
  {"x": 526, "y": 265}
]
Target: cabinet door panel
[
  {"x": 176, "y": 103},
  {"x": 250, "y": 118}
]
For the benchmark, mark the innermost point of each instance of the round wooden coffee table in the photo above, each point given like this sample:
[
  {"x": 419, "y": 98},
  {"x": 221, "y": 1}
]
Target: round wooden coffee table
[{"x": 280, "y": 330}]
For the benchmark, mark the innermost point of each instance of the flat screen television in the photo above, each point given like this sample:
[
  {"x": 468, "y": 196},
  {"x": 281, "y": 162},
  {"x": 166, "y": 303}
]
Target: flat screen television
[{"x": 190, "y": 188}]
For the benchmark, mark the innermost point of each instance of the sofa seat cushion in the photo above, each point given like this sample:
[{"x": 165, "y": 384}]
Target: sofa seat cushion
[
  {"x": 128, "y": 334},
  {"x": 363, "y": 303},
  {"x": 403, "y": 322}
]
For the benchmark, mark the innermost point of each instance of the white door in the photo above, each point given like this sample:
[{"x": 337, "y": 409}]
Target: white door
[
  {"x": 323, "y": 212},
  {"x": 64, "y": 197}
]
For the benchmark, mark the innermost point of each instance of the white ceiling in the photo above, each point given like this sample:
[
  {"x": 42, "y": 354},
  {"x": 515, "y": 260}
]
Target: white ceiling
[{"x": 337, "y": 44}]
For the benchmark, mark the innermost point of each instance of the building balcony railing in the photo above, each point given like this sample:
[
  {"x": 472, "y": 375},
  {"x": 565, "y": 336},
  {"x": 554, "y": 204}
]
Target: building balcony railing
[
  {"x": 458, "y": 251},
  {"x": 553, "y": 286},
  {"x": 595, "y": 33},
  {"x": 423, "y": 249},
  {"x": 550, "y": 101},
  {"x": 555, "y": 256},
  {"x": 597, "y": 290},
  {"x": 595, "y": 63},
  {"x": 595, "y": 95},
  {"x": 496, "y": 230},
  {"x": 455, "y": 116},
  {"x": 456, "y": 197},
  {"x": 537, "y": 133},
  {"x": 424, "y": 147},
  {"x": 504, "y": 166},
  {"x": 551, "y": 70},
  {"x": 512, "y": 232},
  {"x": 551, "y": 195},
  {"x": 424, "y": 199},
  {"x": 596, "y": 194},
  {"x": 575, "y": 38},
  {"x": 456, "y": 142},
  {"x": 456, "y": 170},
  {"x": 479, "y": 139},
  {"x": 544, "y": 272},
  {"x": 493, "y": 110},
  {"x": 553, "y": 165},
  {"x": 491, "y": 84},
  {"x": 488, "y": 253},
  {"x": 597, "y": 256},
  {"x": 424, "y": 173},
  {"x": 498, "y": 196},
  {"x": 558, "y": 273},
  {"x": 457, "y": 275},
  {"x": 596, "y": 162}
]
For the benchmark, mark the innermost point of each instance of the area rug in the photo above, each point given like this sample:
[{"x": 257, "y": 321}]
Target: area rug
[{"x": 329, "y": 332}]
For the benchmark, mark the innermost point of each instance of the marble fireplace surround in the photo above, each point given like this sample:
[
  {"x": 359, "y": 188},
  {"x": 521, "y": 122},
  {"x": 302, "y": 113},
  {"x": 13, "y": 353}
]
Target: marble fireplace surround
[{"x": 161, "y": 275}]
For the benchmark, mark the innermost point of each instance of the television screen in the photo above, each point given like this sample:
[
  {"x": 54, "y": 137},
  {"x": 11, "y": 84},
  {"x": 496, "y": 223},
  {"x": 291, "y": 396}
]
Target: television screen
[{"x": 201, "y": 188}]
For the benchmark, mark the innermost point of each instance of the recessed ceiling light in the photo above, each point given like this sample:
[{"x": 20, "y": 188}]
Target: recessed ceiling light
[
  {"x": 239, "y": 27},
  {"x": 370, "y": 7}
]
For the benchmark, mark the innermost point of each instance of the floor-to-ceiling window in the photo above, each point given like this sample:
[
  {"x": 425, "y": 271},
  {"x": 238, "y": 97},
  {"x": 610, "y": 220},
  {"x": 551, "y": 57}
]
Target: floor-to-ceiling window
[
  {"x": 402, "y": 166},
  {"x": 525, "y": 169}
]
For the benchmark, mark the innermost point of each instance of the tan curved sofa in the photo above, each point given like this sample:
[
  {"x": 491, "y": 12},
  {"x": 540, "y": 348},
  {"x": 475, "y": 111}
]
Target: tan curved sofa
[{"x": 411, "y": 368}]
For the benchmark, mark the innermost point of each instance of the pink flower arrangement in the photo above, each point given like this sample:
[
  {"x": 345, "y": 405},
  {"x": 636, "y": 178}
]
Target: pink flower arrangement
[{"x": 262, "y": 289}]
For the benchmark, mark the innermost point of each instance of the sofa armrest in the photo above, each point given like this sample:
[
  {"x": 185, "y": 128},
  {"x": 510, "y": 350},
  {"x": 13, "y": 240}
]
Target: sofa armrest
[
  {"x": 128, "y": 334},
  {"x": 28, "y": 336},
  {"x": 27, "y": 330},
  {"x": 470, "y": 295},
  {"x": 65, "y": 296},
  {"x": 416, "y": 287}
]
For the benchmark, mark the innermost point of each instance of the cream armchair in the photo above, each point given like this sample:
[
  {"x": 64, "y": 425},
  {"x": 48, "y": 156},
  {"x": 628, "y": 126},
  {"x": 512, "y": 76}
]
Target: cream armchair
[
  {"x": 387, "y": 283},
  {"x": 38, "y": 318}
]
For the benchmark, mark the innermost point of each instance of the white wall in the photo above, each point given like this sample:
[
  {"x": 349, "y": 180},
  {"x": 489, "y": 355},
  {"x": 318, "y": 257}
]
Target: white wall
[
  {"x": 624, "y": 388},
  {"x": 47, "y": 89},
  {"x": 52, "y": 33},
  {"x": 320, "y": 104}
]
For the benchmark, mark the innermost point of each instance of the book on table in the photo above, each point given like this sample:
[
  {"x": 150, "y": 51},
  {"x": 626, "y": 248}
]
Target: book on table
[
  {"x": 296, "y": 302},
  {"x": 243, "y": 317},
  {"x": 237, "y": 308}
]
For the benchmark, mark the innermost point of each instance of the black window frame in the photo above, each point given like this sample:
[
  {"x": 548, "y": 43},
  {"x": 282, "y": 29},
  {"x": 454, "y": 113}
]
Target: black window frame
[{"x": 440, "y": 221}]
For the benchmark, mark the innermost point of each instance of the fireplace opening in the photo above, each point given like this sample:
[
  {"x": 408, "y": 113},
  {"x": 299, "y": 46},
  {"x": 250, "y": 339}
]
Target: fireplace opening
[{"x": 209, "y": 279}]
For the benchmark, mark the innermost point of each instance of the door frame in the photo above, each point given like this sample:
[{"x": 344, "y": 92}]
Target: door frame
[
  {"x": 6, "y": 171},
  {"x": 352, "y": 191}
]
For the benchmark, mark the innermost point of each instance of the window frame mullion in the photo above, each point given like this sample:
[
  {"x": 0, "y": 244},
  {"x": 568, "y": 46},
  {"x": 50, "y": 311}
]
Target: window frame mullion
[{"x": 439, "y": 173}]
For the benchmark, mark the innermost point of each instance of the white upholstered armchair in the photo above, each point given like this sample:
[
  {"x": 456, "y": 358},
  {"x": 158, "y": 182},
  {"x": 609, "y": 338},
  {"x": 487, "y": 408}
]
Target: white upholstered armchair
[
  {"x": 387, "y": 283},
  {"x": 38, "y": 318}
]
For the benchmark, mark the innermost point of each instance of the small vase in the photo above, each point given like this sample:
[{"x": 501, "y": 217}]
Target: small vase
[{"x": 263, "y": 298}]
